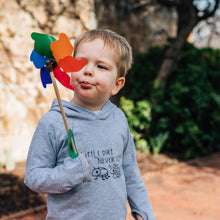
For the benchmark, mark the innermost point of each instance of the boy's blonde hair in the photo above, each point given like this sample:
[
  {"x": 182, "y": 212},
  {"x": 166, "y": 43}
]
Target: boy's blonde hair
[{"x": 112, "y": 40}]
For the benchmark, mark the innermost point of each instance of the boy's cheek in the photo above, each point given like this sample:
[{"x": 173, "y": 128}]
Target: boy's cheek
[
  {"x": 71, "y": 75},
  {"x": 72, "y": 78}
]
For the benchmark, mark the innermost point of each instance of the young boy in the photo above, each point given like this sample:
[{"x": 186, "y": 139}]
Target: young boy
[{"x": 102, "y": 137}]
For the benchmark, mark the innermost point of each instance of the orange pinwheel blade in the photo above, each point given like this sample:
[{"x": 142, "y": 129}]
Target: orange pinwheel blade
[
  {"x": 61, "y": 47},
  {"x": 71, "y": 64}
]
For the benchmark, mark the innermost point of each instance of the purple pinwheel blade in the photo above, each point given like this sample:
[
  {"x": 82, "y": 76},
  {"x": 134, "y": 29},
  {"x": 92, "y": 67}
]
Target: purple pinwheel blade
[
  {"x": 38, "y": 60},
  {"x": 45, "y": 77}
]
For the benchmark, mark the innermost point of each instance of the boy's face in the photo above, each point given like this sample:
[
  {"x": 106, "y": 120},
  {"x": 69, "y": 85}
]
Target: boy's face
[{"x": 97, "y": 81}]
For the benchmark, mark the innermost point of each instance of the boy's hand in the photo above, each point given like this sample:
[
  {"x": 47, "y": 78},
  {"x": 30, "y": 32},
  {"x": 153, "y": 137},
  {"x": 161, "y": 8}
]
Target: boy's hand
[{"x": 138, "y": 217}]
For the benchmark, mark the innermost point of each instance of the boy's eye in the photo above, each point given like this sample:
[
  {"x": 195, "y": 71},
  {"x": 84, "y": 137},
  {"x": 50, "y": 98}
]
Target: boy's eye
[{"x": 102, "y": 67}]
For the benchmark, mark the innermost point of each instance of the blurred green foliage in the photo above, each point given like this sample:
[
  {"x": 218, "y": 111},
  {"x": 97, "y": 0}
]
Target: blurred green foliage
[
  {"x": 139, "y": 119},
  {"x": 190, "y": 109}
]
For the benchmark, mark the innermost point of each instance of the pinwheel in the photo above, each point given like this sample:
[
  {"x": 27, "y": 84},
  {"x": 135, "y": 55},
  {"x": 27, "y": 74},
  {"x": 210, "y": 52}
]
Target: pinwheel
[
  {"x": 54, "y": 58},
  {"x": 46, "y": 47}
]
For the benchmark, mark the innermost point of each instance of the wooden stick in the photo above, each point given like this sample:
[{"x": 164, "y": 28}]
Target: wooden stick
[
  {"x": 50, "y": 70},
  {"x": 23, "y": 213}
]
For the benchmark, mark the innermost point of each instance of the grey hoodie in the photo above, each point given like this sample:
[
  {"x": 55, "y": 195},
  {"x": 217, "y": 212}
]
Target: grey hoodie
[{"x": 73, "y": 192}]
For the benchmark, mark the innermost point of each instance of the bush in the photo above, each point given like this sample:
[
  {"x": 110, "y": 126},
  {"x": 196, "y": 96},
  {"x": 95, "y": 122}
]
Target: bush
[
  {"x": 191, "y": 108},
  {"x": 139, "y": 120}
]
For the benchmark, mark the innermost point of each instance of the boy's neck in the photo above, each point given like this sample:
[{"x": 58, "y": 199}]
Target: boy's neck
[{"x": 90, "y": 107}]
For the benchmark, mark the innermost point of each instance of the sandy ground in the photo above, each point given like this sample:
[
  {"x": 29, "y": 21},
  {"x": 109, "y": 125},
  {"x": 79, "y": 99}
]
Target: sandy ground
[{"x": 177, "y": 190}]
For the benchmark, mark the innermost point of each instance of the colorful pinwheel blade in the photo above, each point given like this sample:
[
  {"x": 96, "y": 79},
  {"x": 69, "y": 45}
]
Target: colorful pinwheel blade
[
  {"x": 71, "y": 64},
  {"x": 38, "y": 60},
  {"x": 61, "y": 47},
  {"x": 70, "y": 150},
  {"x": 62, "y": 77},
  {"x": 42, "y": 44},
  {"x": 45, "y": 77}
]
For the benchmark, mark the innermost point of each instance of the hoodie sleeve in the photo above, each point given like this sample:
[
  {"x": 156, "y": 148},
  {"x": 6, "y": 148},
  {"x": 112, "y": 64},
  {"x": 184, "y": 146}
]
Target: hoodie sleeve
[
  {"x": 137, "y": 193},
  {"x": 43, "y": 174}
]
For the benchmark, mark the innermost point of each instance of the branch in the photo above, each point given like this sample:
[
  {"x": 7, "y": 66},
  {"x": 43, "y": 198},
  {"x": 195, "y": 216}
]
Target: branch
[
  {"x": 189, "y": 3},
  {"x": 208, "y": 13},
  {"x": 25, "y": 212},
  {"x": 140, "y": 4},
  {"x": 172, "y": 3}
]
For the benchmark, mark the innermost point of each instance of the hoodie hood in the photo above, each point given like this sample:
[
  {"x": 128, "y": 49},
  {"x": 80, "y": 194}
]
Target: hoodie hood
[{"x": 76, "y": 111}]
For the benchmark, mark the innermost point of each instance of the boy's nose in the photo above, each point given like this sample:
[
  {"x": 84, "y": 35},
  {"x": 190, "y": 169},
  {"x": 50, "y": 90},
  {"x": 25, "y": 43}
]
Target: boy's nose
[{"x": 88, "y": 71}]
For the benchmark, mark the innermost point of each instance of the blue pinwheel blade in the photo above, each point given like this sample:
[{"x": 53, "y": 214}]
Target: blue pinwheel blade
[
  {"x": 45, "y": 77},
  {"x": 38, "y": 60}
]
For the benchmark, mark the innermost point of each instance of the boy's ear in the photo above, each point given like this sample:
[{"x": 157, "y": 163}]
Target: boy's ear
[{"x": 118, "y": 85}]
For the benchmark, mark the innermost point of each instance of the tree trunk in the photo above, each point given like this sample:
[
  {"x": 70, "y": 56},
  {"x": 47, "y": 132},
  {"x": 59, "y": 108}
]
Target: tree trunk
[
  {"x": 186, "y": 24},
  {"x": 170, "y": 61},
  {"x": 173, "y": 53}
]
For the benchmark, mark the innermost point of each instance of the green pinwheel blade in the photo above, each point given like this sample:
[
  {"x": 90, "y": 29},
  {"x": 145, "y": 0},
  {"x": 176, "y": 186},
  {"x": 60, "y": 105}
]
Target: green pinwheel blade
[
  {"x": 70, "y": 150},
  {"x": 42, "y": 44}
]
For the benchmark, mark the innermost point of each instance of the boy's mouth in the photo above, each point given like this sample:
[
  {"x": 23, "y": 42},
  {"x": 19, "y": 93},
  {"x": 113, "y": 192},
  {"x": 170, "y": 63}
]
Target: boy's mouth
[{"x": 86, "y": 85}]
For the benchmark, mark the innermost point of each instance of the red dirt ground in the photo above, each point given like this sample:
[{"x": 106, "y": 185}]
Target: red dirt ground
[{"x": 177, "y": 190}]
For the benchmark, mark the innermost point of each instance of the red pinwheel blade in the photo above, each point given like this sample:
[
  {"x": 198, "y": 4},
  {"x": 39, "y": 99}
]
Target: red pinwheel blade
[
  {"x": 71, "y": 64},
  {"x": 62, "y": 77}
]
